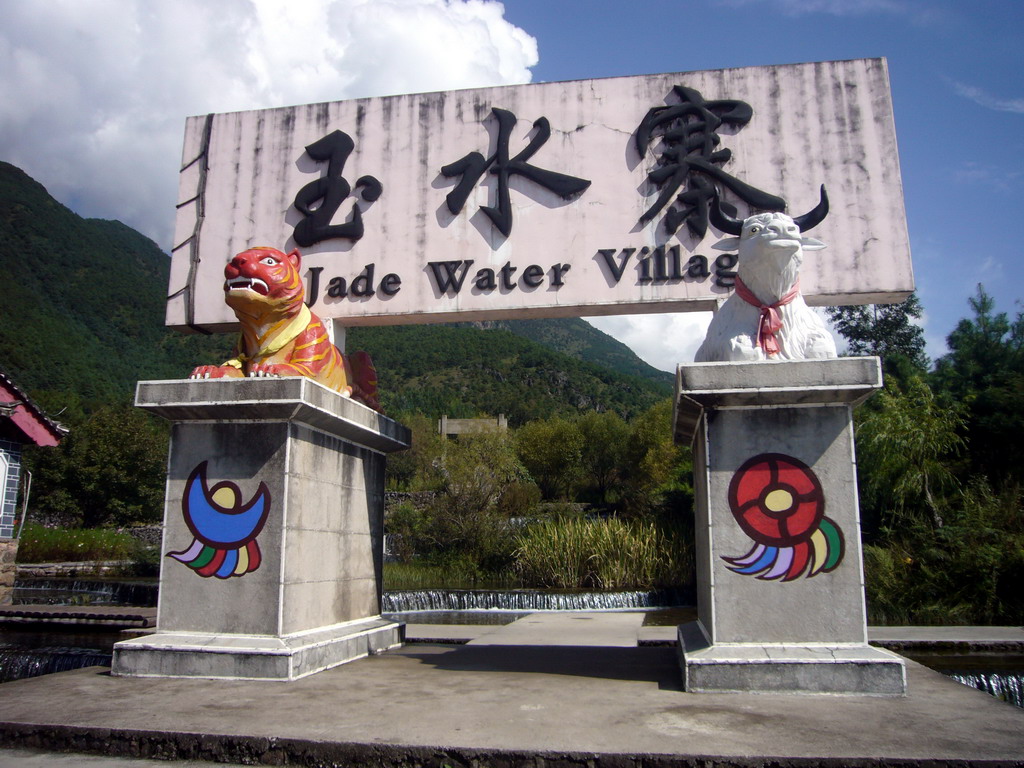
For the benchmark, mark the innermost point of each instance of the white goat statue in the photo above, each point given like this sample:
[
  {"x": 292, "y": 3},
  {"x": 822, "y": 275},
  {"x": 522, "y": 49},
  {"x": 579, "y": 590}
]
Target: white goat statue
[{"x": 766, "y": 318}]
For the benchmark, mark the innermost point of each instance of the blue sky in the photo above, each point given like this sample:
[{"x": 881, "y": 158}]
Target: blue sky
[
  {"x": 957, "y": 77},
  {"x": 94, "y": 93}
]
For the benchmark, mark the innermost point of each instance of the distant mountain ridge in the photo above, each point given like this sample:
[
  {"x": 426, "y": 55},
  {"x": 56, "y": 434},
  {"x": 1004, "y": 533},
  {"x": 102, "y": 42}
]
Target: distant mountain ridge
[
  {"x": 83, "y": 311},
  {"x": 578, "y": 338},
  {"x": 466, "y": 372}
]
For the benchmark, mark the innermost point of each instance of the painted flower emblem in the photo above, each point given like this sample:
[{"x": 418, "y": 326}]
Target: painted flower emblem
[{"x": 778, "y": 501}]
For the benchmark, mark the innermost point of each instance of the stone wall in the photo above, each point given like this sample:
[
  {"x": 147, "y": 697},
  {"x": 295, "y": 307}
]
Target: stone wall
[
  {"x": 71, "y": 570},
  {"x": 8, "y": 553},
  {"x": 149, "y": 535}
]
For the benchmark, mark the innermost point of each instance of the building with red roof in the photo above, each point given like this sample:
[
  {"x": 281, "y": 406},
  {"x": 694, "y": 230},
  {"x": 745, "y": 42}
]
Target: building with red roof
[{"x": 21, "y": 423}]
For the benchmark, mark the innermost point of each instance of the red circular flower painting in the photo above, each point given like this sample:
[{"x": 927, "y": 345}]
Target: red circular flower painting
[{"x": 777, "y": 500}]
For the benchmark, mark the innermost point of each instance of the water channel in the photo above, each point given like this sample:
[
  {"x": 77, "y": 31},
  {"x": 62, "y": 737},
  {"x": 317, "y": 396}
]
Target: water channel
[{"x": 29, "y": 650}]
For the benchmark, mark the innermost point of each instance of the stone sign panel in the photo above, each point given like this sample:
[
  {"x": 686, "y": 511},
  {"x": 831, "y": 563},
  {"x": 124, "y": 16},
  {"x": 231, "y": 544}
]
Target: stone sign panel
[{"x": 555, "y": 199}]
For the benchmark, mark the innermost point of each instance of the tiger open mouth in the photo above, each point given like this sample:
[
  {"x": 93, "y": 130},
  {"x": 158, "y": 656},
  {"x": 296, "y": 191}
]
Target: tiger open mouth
[{"x": 246, "y": 284}]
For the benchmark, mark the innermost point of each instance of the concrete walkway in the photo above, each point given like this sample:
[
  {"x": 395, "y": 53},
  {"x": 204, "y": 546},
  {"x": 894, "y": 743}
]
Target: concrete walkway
[
  {"x": 631, "y": 632},
  {"x": 623, "y": 629},
  {"x": 961, "y": 639},
  {"x": 571, "y": 688},
  {"x": 577, "y": 629}
]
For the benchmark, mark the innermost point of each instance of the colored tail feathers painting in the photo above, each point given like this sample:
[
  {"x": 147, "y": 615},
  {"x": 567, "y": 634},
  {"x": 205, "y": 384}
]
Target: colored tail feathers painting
[
  {"x": 779, "y": 503},
  {"x": 224, "y": 528}
]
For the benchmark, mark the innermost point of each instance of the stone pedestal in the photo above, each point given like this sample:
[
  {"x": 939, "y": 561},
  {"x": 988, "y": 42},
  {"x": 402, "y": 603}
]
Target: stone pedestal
[
  {"x": 307, "y": 596},
  {"x": 780, "y": 584}
]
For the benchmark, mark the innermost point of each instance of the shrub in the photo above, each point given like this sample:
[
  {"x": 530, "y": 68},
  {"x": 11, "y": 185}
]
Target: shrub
[
  {"x": 519, "y": 499},
  {"x": 407, "y": 527},
  {"x": 146, "y": 560},
  {"x": 423, "y": 575}
]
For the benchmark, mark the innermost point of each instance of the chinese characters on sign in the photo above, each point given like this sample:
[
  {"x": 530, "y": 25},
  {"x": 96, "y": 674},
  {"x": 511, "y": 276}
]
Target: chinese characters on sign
[
  {"x": 330, "y": 192},
  {"x": 473, "y": 166},
  {"x": 690, "y": 156},
  {"x": 690, "y": 160}
]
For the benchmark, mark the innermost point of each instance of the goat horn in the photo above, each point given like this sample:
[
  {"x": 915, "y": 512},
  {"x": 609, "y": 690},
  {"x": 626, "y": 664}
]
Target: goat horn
[
  {"x": 722, "y": 220},
  {"x": 813, "y": 218}
]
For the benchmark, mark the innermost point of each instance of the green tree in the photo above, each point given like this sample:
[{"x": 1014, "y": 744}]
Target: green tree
[
  {"x": 984, "y": 372},
  {"x": 938, "y": 466},
  {"x": 552, "y": 452},
  {"x": 884, "y": 330},
  {"x": 605, "y": 441},
  {"x": 411, "y": 470},
  {"x": 469, "y": 522},
  {"x": 983, "y": 349},
  {"x": 967, "y": 572},
  {"x": 653, "y": 466},
  {"x": 904, "y": 449},
  {"x": 110, "y": 470}
]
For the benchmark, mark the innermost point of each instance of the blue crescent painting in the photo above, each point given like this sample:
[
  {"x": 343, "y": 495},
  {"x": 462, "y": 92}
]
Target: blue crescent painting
[{"x": 225, "y": 530}]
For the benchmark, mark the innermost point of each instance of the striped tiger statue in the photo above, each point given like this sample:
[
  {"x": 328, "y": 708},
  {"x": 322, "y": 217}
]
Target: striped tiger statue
[{"x": 280, "y": 336}]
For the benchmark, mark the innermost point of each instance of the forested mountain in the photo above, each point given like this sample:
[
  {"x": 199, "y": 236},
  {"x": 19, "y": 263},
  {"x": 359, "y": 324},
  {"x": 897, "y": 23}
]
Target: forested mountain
[
  {"x": 82, "y": 313},
  {"x": 82, "y": 321},
  {"x": 579, "y": 339},
  {"x": 466, "y": 372}
]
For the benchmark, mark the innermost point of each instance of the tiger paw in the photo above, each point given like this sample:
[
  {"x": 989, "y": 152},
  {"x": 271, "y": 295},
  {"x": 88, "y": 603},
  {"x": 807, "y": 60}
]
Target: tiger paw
[
  {"x": 215, "y": 372},
  {"x": 268, "y": 370}
]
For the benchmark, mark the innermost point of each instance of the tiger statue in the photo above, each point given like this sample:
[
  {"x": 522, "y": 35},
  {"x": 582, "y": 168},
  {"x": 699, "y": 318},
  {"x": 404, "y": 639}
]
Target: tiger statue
[{"x": 280, "y": 336}]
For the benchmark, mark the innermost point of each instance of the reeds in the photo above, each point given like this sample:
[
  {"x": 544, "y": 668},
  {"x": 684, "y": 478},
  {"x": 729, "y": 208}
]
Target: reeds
[{"x": 575, "y": 553}]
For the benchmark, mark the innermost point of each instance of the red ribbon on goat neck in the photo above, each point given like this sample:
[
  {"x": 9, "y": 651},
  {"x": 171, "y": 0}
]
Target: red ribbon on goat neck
[{"x": 770, "y": 323}]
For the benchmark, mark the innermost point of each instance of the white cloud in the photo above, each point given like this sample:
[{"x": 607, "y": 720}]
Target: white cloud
[
  {"x": 934, "y": 342},
  {"x": 94, "y": 93},
  {"x": 984, "y": 99},
  {"x": 663, "y": 341},
  {"x": 841, "y": 343},
  {"x": 915, "y": 10},
  {"x": 989, "y": 175}
]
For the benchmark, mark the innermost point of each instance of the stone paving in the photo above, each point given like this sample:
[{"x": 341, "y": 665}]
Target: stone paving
[{"x": 572, "y": 689}]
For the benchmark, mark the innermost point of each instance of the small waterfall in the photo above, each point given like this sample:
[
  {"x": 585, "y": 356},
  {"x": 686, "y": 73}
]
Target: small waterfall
[
  {"x": 399, "y": 601},
  {"x": 17, "y": 663},
  {"x": 56, "y": 591},
  {"x": 30, "y": 653},
  {"x": 1005, "y": 687}
]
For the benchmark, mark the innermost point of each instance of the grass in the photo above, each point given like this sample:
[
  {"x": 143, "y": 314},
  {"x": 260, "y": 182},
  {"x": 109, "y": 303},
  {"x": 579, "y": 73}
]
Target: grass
[
  {"x": 55, "y": 545},
  {"x": 417, "y": 575}
]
